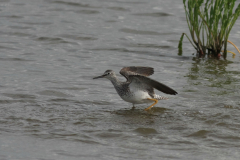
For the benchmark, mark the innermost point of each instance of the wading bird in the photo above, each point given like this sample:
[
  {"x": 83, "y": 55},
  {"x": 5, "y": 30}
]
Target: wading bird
[{"x": 138, "y": 88}]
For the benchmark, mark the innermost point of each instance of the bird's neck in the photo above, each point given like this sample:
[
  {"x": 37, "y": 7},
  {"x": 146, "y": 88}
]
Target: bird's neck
[
  {"x": 118, "y": 85},
  {"x": 115, "y": 81}
]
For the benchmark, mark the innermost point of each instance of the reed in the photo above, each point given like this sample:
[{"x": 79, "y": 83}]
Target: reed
[{"x": 209, "y": 23}]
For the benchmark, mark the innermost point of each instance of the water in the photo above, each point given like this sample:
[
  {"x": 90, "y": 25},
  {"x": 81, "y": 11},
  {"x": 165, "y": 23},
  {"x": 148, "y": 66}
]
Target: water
[{"x": 51, "y": 108}]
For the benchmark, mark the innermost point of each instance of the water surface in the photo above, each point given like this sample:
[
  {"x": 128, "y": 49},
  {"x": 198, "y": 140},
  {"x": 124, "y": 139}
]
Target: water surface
[{"x": 51, "y": 108}]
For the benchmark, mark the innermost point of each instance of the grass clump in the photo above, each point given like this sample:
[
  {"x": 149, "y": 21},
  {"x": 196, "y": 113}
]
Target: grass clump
[{"x": 209, "y": 23}]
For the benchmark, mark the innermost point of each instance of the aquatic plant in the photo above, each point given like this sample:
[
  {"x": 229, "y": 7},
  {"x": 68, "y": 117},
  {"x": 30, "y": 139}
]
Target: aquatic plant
[{"x": 209, "y": 24}]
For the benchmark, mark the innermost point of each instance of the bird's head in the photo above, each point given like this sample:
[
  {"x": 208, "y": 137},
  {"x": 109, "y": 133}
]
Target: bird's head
[{"x": 109, "y": 74}]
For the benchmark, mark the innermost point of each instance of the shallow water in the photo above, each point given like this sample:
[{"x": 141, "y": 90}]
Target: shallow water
[{"x": 50, "y": 108}]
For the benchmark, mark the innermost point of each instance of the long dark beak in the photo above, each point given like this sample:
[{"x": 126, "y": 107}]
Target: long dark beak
[{"x": 99, "y": 77}]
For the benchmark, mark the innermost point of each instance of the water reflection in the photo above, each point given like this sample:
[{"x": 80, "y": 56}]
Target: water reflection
[
  {"x": 212, "y": 73},
  {"x": 155, "y": 111}
]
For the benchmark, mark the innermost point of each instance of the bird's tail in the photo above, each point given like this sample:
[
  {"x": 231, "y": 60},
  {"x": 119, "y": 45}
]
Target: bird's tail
[{"x": 160, "y": 97}]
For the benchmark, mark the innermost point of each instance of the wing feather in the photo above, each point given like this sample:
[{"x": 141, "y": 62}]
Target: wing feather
[
  {"x": 136, "y": 70},
  {"x": 152, "y": 83}
]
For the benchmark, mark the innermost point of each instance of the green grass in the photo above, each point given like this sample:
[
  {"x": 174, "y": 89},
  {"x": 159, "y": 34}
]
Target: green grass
[{"x": 209, "y": 23}]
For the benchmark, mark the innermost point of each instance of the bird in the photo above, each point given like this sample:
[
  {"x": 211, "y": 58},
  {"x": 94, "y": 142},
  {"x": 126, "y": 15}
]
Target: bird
[{"x": 138, "y": 88}]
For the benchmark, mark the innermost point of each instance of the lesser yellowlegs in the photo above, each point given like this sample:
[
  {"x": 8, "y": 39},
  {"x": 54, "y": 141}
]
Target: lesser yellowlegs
[{"x": 138, "y": 88}]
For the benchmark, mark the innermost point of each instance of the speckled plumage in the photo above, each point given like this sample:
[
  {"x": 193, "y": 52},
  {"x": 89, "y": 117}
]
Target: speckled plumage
[{"x": 138, "y": 88}]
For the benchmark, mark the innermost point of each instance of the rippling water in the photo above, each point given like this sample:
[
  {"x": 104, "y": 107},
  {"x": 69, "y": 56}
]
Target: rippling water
[{"x": 50, "y": 108}]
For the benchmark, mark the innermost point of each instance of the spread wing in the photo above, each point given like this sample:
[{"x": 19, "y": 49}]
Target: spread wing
[
  {"x": 135, "y": 70},
  {"x": 152, "y": 83}
]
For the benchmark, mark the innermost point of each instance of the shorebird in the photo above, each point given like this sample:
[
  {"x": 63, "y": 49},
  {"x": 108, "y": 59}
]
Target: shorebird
[{"x": 138, "y": 88}]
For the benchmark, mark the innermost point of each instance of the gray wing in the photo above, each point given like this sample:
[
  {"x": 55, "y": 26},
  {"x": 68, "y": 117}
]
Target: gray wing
[
  {"x": 152, "y": 83},
  {"x": 136, "y": 70}
]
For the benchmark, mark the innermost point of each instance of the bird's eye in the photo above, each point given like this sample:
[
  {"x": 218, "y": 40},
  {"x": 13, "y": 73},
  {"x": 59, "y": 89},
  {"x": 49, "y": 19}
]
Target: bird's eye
[{"x": 108, "y": 73}]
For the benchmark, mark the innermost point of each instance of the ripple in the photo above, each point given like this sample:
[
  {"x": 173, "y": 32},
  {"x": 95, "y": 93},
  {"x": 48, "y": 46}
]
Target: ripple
[
  {"x": 119, "y": 9},
  {"x": 157, "y": 14},
  {"x": 141, "y": 32},
  {"x": 36, "y": 23},
  {"x": 96, "y": 102},
  {"x": 49, "y": 39},
  {"x": 20, "y": 27},
  {"x": 112, "y": 49},
  {"x": 128, "y": 2},
  {"x": 68, "y": 154},
  {"x": 53, "y": 93},
  {"x": 76, "y": 37},
  {"x": 17, "y": 101},
  {"x": 75, "y": 4},
  {"x": 53, "y": 40},
  {"x": 7, "y": 48},
  {"x": 145, "y": 131},
  {"x": 14, "y": 59},
  {"x": 70, "y": 88},
  {"x": 18, "y": 34},
  {"x": 200, "y": 134},
  {"x": 19, "y": 96},
  {"x": 12, "y": 16},
  {"x": 147, "y": 45},
  {"x": 65, "y": 101},
  {"x": 87, "y": 12},
  {"x": 108, "y": 135}
]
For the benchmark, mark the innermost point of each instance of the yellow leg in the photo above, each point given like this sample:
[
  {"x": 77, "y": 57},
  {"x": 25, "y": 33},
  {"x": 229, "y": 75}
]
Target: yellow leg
[{"x": 155, "y": 102}]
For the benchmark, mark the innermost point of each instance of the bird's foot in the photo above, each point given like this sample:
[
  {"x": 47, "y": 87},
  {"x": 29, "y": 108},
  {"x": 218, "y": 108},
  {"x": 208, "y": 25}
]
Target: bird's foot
[{"x": 155, "y": 102}]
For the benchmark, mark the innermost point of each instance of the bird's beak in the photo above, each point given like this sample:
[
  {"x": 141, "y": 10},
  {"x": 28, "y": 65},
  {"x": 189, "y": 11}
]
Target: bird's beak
[{"x": 99, "y": 77}]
